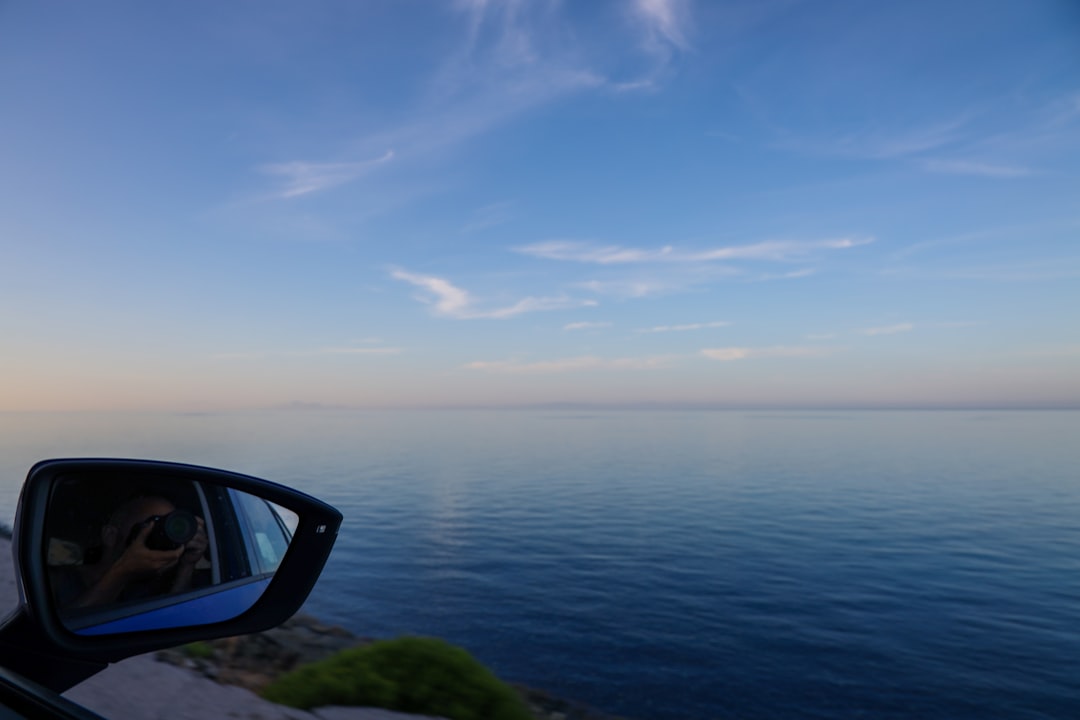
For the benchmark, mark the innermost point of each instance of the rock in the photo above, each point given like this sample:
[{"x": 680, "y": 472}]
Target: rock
[
  {"x": 545, "y": 706},
  {"x": 254, "y": 661}
]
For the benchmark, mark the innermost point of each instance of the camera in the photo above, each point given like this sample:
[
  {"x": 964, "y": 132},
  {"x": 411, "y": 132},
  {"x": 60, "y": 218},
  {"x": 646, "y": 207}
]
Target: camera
[{"x": 169, "y": 532}]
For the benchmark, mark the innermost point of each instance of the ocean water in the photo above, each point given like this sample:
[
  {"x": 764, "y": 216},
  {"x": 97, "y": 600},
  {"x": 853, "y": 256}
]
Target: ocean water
[{"x": 672, "y": 565}]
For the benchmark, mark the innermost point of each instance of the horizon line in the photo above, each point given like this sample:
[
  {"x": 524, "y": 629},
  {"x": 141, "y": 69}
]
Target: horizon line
[{"x": 578, "y": 406}]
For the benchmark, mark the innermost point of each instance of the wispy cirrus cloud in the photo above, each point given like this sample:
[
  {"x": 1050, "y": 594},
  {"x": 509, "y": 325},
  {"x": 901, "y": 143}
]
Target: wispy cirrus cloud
[
  {"x": 488, "y": 217},
  {"x": 565, "y": 365},
  {"x": 448, "y": 300},
  {"x": 663, "y": 24},
  {"x": 886, "y": 145},
  {"x": 305, "y": 178},
  {"x": 978, "y": 169},
  {"x": 769, "y": 250},
  {"x": 511, "y": 57},
  {"x": 1000, "y": 142},
  {"x": 631, "y": 287},
  {"x": 586, "y": 325},
  {"x": 888, "y": 329},
  {"x": 664, "y": 21},
  {"x": 728, "y": 354},
  {"x": 1041, "y": 133},
  {"x": 643, "y": 280},
  {"x": 883, "y": 142},
  {"x": 793, "y": 275},
  {"x": 685, "y": 327},
  {"x": 1016, "y": 232},
  {"x": 533, "y": 304}
]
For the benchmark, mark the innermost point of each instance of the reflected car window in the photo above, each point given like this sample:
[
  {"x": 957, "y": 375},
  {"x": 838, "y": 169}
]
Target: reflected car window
[{"x": 269, "y": 536}]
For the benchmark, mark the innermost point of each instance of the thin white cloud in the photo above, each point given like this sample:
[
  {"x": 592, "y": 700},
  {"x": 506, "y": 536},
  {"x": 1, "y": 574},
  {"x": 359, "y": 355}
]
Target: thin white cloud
[
  {"x": 664, "y": 26},
  {"x": 770, "y": 250},
  {"x": 504, "y": 29},
  {"x": 778, "y": 250},
  {"x": 634, "y": 85},
  {"x": 305, "y": 178},
  {"x": 588, "y": 253},
  {"x": 630, "y": 288},
  {"x": 533, "y": 304},
  {"x": 449, "y": 300},
  {"x": 821, "y": 336},
  {"x": 586, "y": 325},
  {"x": 575, "y": 364},
  {"x": 793, "y": 275},
  {"x": 514, "y": 57},
  {"x": 728, "y": 354},
  {"x": 686, "y": 327},
  {"x": 634, "y": 281},
  {"x": 1041, "y": 133},
  {"x": 884, "y": 143},
  {"x": 914, "y": 141},
  {"x": 978, "y": 169},
  {"x": 1016, "y": 233},
  {"x": 889, "y": 329},
  {"x": 664, "y": 21},
  {"x": 488, "y": 217},
  {"x": 955, "y": 144}
]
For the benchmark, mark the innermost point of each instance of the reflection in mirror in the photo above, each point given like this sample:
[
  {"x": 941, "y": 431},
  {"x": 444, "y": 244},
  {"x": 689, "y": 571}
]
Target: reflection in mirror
[{"x": 143, "y": 552}]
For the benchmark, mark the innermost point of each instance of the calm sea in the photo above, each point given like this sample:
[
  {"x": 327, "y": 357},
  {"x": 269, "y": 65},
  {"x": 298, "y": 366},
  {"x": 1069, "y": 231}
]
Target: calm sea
[{"x": 672, "y": 565}]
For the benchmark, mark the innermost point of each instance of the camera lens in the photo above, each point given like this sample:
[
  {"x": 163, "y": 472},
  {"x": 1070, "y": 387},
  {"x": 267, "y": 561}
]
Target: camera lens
[
  {"x": 169, "y": 531},
  {"x": 178, "y": 527}
]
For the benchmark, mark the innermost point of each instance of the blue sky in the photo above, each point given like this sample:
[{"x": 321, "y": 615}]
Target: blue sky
[{"x": 657, "y": 202}]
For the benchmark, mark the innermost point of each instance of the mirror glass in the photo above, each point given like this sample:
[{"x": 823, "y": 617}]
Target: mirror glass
[{"x": 144, "y": 552}]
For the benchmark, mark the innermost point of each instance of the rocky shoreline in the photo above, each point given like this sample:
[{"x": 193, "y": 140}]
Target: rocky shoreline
[{"x": 254, "y": 661}]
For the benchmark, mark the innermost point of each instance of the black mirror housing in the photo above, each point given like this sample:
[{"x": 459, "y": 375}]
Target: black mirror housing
[{"x": 63, "y": 654}]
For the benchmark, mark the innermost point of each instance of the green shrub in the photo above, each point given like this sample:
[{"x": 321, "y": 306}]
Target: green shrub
[
  {"x": 199, "y": 650},
  {"x": 418, "y": 675}
]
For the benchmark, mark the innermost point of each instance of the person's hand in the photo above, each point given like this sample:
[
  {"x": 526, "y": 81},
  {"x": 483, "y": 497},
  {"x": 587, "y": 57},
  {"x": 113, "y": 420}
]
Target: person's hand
[
  {"x": 195, "y": 548},
  {"x": 140, "y": 560}
]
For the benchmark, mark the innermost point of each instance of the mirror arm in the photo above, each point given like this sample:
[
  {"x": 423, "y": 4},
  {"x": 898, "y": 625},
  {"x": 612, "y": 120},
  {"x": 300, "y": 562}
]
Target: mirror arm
[{"x": 18, "y": 633}]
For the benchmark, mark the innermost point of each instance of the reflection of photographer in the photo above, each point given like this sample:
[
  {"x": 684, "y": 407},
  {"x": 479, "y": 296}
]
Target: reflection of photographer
[
  {"x": 148, "y": 548},
  {"x": 168, "y": 532}
]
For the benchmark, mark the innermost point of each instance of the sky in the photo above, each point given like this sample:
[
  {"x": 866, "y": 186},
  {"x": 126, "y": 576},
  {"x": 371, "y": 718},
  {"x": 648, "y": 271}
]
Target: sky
[{"x": 644, "y": 203}]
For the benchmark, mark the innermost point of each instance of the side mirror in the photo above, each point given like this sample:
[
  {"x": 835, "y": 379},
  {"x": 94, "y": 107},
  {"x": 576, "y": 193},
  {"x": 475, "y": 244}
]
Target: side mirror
[{"x": 119, "y": 557}]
